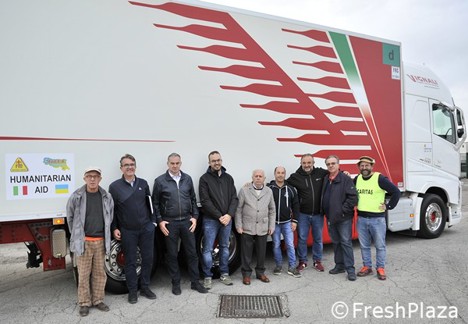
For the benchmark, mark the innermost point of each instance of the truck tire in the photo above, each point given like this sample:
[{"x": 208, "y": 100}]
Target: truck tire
[
  {"x": 433, "y": 217},
  {"x": 114, "y": 266},
  {"x": 234, "y": 253}
]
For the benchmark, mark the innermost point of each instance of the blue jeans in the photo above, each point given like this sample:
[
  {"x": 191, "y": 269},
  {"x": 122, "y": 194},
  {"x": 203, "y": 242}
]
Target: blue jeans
[
  {"x": 306, "y": 221},
  {"x": 213, "y": 228},
  {"x": 372, "y": 229},
  {"x": 286, "y": 230},
  {"x": 341, "y": 235}
]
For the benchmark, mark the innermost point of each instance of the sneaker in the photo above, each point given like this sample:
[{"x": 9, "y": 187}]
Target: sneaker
[
  {"x": 226, "y": 279},
  {"x": 302, "y": 265},
  {"x": 207, "y": 283},
  {"x": 294, "y": 272},
  {"x": 381, "y": 274},
  {"x": 365, "y": 270},
  {"x": 277, "y": 271},
  {"x": 318, "y": 266}
]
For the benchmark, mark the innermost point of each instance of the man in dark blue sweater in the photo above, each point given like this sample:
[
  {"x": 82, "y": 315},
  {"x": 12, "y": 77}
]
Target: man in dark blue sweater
[{"x": 134, "y": 225}]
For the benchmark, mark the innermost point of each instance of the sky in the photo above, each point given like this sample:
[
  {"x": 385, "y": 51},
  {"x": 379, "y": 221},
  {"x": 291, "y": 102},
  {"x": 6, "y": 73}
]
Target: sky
[{"x": 432, "y": 32}]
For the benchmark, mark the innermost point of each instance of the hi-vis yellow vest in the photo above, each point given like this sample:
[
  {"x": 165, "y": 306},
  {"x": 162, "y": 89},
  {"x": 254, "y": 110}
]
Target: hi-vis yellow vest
[{"x": 370, "y": 194}]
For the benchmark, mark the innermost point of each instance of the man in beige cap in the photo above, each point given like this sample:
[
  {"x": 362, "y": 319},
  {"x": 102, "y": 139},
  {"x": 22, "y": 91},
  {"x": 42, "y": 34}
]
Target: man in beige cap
[
  {"x": 372, "y": 187},
  {"x": 90, "y": 211}
]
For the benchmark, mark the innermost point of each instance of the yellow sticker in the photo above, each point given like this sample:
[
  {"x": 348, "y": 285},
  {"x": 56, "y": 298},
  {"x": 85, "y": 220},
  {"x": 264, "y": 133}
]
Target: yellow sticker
[{"x": 19, "y": 166}]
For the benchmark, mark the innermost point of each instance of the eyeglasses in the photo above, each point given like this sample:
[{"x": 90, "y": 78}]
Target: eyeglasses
[
  {"x": 89, "y": 176},
  {"x": 330, "y": 163},
  {"x": 129, "y": 165}
]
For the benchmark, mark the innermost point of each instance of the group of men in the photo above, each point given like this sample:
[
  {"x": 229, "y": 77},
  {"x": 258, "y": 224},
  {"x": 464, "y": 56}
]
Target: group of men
[{"x": 130, "y": 213}]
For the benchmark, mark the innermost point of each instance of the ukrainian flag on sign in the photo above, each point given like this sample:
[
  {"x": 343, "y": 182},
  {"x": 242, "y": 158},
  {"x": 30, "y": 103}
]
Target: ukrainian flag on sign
[{"x": 61, "y": 189}]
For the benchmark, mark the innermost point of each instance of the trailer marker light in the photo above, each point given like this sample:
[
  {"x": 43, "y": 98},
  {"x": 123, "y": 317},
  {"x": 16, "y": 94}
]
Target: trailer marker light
[{"x": 58, "y": 221}]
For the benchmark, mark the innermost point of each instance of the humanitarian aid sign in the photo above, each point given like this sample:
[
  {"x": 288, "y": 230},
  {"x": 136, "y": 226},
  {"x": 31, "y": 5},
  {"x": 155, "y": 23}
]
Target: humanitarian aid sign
[{"x": 39, "y": 175}]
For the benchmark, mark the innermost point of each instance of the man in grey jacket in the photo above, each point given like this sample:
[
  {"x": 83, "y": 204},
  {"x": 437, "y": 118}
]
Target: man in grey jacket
[
  {"x": 90, "y": 210},
  {"x": 255, "y": 219}
]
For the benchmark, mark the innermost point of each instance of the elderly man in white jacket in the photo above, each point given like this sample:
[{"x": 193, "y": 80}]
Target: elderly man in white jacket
[{"x": 255, "y": 219}]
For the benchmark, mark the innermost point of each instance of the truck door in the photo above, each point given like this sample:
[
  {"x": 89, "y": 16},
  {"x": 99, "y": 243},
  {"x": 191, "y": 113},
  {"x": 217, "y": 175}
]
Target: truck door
[{"x": 445, "y": 138}]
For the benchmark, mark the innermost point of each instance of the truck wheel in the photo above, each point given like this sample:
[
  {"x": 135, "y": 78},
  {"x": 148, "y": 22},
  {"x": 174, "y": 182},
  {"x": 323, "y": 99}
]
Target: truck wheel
[
  {"x": 234, "y": 253},
  {"x": 433, "y": 217}
]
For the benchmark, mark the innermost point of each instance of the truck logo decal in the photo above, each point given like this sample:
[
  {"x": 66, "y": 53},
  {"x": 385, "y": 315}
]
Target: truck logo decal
[{"x": 333, "y": 113}]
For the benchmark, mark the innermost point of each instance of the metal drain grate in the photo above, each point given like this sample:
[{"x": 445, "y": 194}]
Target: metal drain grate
[{"x": 245, "y": 306}]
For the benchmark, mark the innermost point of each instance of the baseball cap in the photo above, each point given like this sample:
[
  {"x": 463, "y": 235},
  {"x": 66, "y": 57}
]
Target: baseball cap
[{"x": 89, "y": 169}]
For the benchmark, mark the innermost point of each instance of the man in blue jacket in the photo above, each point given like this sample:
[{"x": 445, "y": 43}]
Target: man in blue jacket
[
  {"x": 339, "y": 197},
  {"x": 175, "y": 206},
  {"x": 134, "y": 225}
]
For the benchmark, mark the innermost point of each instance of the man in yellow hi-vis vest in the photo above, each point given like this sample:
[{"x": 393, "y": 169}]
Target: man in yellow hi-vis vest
[{"x": 371, "y": 187}]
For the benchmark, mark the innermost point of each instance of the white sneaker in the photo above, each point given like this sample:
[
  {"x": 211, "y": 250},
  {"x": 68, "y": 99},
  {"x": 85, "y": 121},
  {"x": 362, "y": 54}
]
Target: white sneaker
[
  {"x": 207, "y": 283},
  {"x": 225, "y": 279}
]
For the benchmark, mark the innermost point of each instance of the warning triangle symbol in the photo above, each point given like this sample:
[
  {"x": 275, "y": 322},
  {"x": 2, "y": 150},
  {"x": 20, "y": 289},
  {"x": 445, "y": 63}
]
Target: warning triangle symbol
[{"x": 19, "y": 166}]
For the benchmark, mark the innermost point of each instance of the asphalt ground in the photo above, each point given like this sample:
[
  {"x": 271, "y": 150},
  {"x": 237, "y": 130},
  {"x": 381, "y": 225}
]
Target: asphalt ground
[{"x": 427, "y": 283}]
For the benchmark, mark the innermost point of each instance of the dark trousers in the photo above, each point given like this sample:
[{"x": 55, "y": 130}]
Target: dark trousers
[
  {"x": 247, "y": 245},
  {"x": 341, "y": 236},
  {"x": 180, "y": 229},
  {"x": 131, "y": 241}
]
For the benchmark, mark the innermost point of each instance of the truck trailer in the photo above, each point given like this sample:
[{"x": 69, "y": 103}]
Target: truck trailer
[{"x": 84, "y": 82}]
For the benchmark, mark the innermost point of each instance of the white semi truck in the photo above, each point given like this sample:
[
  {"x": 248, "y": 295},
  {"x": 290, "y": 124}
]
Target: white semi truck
[{"x": 84, "y": 82}]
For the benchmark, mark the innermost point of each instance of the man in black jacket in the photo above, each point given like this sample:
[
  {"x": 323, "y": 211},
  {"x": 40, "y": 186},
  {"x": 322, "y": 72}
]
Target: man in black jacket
[
  {"x": 339, "y": 197},
  {"x": 219, "y": 201},
  {"x": 134, "y": 224},
  {"x": 175, "y": 206},
  {"x": 308, "y": 181}
]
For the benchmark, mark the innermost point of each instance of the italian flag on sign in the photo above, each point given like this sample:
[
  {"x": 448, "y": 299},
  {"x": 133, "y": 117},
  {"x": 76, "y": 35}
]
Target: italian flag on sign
[{"x": 20, "y": 190}]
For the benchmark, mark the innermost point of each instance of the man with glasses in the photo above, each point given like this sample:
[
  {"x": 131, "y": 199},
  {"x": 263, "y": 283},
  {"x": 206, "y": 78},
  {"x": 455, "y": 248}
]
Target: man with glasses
[
  {"x": 219, "y": 201},
  {"x": 134, "y": 225},
  {"x": 339, "y": 197},
  {"x": 90, "y": 210}
]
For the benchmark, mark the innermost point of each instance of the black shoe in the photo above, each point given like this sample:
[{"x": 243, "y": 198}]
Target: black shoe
[
  {"x": 132, "y": 297},
  {"x": 351, "y": 276},
  {"x": 176, "y": 290},
  {"x": 102, "y": 307},
  {"x": 84, "y": 311},
  {"x": 336, "y": 270},
  {"x": 148, "y": 293},
  {"x": 198, "y": 287}
]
